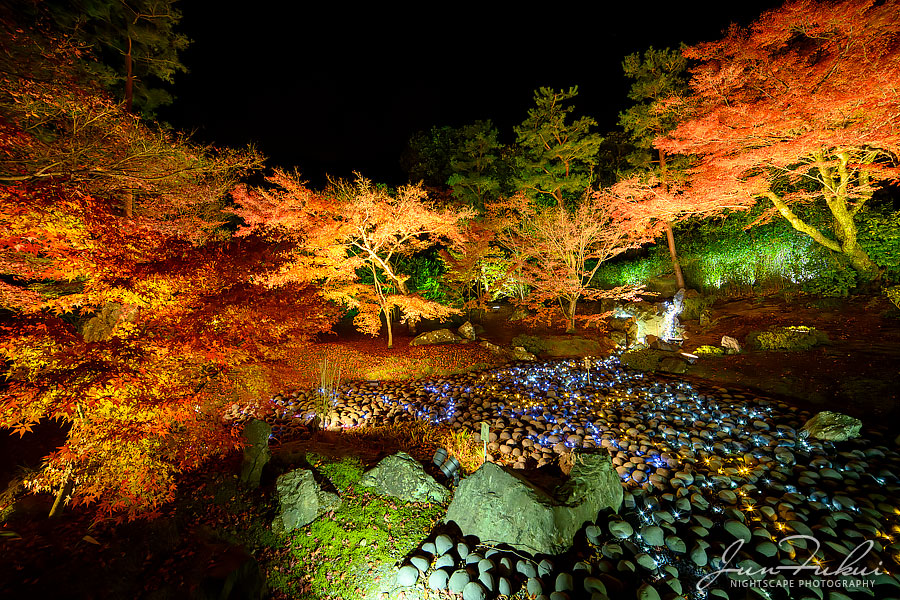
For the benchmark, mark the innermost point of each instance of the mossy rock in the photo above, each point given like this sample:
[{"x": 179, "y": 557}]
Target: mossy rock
[
  {"x": 531, "y": 343},
  {"x": 792, "y": 338},
  {"x": 643, "y": 359}
]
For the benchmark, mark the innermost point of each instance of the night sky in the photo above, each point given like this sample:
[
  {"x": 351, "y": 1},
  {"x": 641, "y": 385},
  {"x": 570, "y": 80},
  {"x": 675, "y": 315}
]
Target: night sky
[{"x": 331, "y": 89}]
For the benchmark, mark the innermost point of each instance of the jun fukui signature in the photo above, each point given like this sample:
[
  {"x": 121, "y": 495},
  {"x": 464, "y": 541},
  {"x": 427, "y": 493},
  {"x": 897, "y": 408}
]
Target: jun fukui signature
[{"x": 848, "y": 566}]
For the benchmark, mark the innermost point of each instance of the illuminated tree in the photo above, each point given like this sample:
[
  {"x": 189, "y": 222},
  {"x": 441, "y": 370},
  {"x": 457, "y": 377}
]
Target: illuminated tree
[
  {"x": 475, "y": 163},
  {"x": 560, "y": 250},
  {"x": 135, "y": 334},
  {"x": 378, "y": 228},
  {"x": 799, "y": 108},
  {"x": 556, "y": 155},
  {"x": 352, "y": 226},
  {"x": 171, "y": 335},
  {"x": 66, "y": 128}
]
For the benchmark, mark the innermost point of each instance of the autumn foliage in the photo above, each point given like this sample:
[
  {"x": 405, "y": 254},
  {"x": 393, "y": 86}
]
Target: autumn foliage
[
  {"x": 349, "y": 239},
  {"x": 558, "y": 250},
  {"x": 800, "y": 108},
  {"x": 135, "y": 333}
]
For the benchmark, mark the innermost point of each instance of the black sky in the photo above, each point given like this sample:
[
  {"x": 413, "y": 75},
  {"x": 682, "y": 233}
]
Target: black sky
[{"x": 333, "y": 89}]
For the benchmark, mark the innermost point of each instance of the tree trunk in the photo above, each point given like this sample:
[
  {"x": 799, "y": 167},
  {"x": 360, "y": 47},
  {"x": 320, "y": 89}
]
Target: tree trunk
[
  {"x": 861, "y": 263},
  {"x": 676, "y": 266},
  {"x": 387, "y": 321},
  {"x": 670, "y": 235},
  {"x": 570, "y": 316},
  {"x": 129, "y": 79}
]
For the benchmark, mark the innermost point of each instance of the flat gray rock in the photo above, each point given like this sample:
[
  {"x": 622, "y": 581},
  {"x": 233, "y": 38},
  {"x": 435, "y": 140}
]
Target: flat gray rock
[{"x": 832, "y": 427}]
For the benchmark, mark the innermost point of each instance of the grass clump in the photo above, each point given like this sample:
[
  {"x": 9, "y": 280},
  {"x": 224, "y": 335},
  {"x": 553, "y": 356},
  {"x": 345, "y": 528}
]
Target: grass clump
[{"x": 792, "y": 338}]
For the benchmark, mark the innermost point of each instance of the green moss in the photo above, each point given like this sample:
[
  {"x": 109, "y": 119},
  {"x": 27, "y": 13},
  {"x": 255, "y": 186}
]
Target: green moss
[
  {"x": 643, "y": 359},
  {"x": 342, "y": 556},
  {"x": 893, "y": 294},
  {"x": 791, "y": 338},
  {"x": 710, "y": 351},
  {"x": 342, "y": 473}
]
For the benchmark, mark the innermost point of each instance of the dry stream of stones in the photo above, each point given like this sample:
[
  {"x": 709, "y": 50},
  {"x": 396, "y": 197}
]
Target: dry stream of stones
[{"x": 714, "y": 479}]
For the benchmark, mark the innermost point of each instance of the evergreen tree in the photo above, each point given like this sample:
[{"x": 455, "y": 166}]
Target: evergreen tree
[
  {"x": 658, "y": 75},
  {"x": 556, "y": 155},
  {"x": 135, "y": 44},
  {"x": 475, "y": 164}
]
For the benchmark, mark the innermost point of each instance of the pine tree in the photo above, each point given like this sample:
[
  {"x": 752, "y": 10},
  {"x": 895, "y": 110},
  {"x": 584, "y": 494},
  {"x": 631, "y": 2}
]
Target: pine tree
[{"x": 556, "y": 155}]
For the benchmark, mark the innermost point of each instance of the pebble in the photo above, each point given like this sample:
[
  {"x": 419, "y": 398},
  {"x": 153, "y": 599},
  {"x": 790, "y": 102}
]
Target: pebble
[
  {"x": 459, "y": 580},
  {"x": 473, "y": 591},
  {"x": 621, "y": 529},
  {"x": 444, "y": 561},
  {"x": 564, "y": 582},
  {"x": 442, "y": 544},
  {"x": 438, "y": 579},
  {"x": 407, "y": 575},
  {"x": 738, "y": 530},
  {"x": 652, "y": 535}
]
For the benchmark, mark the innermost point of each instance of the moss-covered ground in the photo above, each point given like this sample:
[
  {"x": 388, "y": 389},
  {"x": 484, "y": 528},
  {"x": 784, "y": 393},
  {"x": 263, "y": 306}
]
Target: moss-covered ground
[{"x": 343, "y": 554}]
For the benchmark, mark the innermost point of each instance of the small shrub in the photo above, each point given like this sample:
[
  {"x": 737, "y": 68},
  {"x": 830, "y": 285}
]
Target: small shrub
[
  {"x": 791, "y": 338},
  {"x": 531, "y": 343},
  {"x": 709, "y": 351},
  {"x": 893, "y": 294},
  {"x": 461, "y": 444}
]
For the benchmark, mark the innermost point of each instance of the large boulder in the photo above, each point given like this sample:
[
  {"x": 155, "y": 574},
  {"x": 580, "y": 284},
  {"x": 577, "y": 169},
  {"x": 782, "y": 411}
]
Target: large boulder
[
  {"x": 301, "y": 500},
  {"x": 502, "y": 506},
  {"x": 438, "y": 336},
  {"x": 401, "y": 476},
  {"x": 832, "y": 427},
  {"x": 467, "y": 330},
  {"x": 256, "y": 451}
]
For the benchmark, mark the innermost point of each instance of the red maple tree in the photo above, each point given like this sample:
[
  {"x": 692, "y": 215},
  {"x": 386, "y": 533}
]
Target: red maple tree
[{"x": 799, "y": 108}]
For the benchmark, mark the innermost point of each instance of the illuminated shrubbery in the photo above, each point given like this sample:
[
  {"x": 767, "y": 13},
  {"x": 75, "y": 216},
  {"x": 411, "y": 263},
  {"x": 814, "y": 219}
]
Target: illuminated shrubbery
[
  {"x": 723, "y": 257},
  {"x": 797, "y": 337}
]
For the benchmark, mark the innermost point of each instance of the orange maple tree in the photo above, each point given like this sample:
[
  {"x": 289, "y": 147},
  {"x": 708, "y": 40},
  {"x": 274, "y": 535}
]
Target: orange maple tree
[
  {"x": 138, "y": 333},
  {"x": 799, "y": 108},
  {"x": 350, "y": 228},
  {"x": 558, "y": 250}
]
